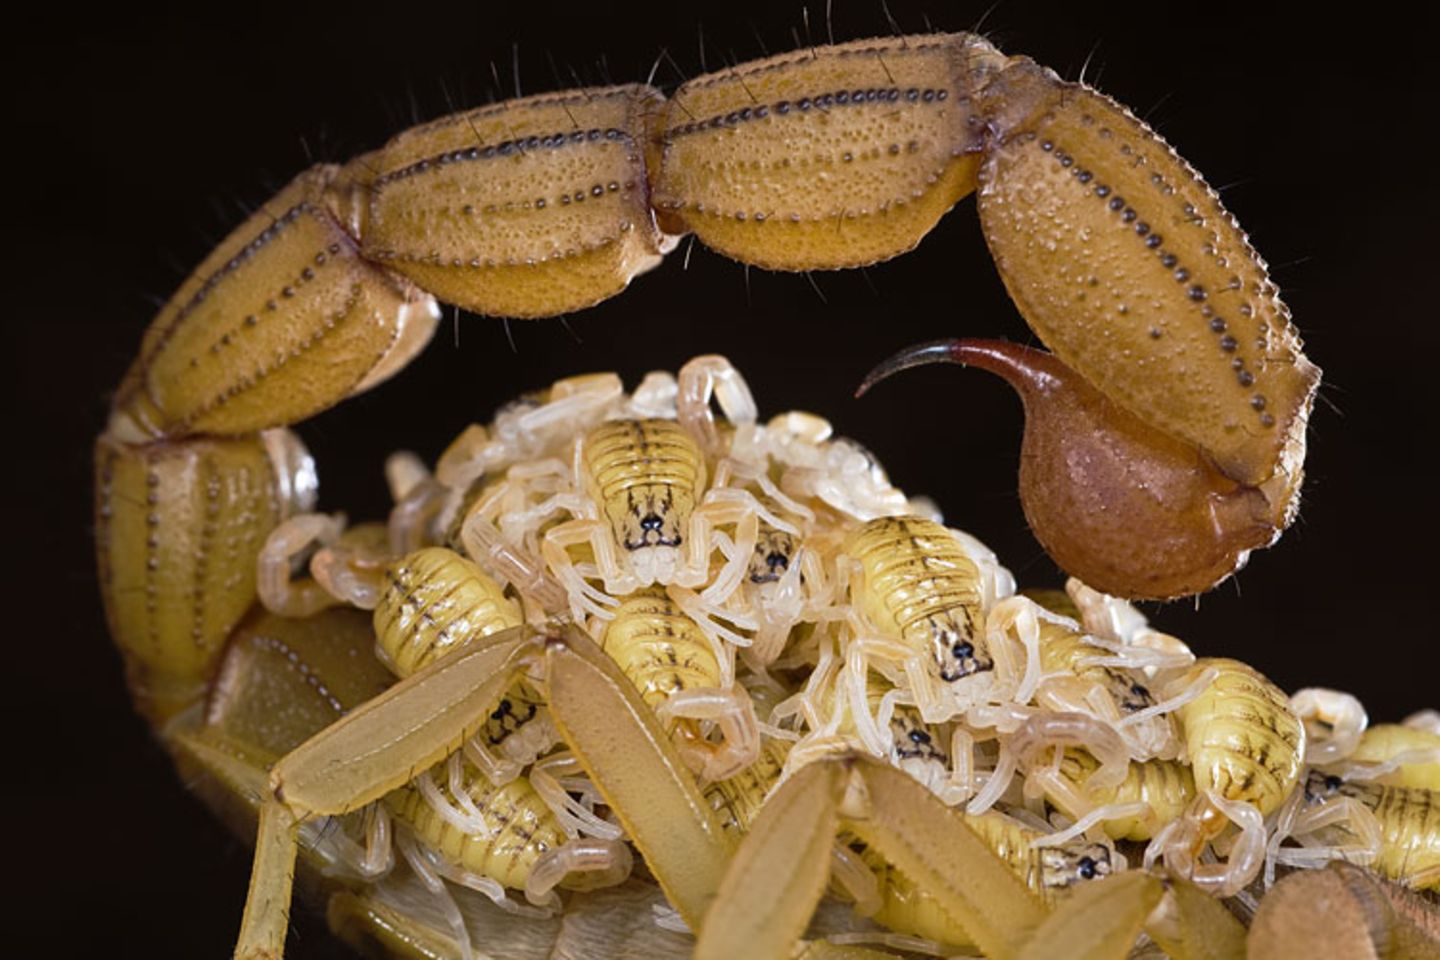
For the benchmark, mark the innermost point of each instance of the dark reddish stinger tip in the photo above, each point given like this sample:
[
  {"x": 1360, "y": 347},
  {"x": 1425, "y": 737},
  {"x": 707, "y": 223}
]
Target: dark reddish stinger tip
[{"x": 1126, "y": 508}]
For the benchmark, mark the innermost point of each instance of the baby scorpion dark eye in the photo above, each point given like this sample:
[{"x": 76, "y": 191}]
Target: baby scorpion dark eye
[
  {"x": 501, "y": 711},
  {"x": 1087, "y": 868},
  {"x": 1332, "y": 783},
  {"x": 962, "y": 650},
  {"x": 1138, "y": 690},
  {"x": 919, "y": 736},
  {"x": 777, "y": 560},
  {"x": 651, "y": 522}
]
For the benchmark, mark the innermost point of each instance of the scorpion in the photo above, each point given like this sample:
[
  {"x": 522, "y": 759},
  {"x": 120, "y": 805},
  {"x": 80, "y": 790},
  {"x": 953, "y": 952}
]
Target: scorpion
[{"x": 165, "y": 413}]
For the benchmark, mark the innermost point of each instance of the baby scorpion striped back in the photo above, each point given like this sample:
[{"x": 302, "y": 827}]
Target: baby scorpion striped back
[
  {"x": 1242, "y": 739},
  {"x": 1166, "y": 785},
  {"x": 647, "y": 476},
  {"x": 1409, "y": 820},
  {"x": 920, "y": 586},
  {"x": 1049, "y": 871},
  {"x": 658, "y": 647},
  {"x": 737, "y": 800},
  {"x": 434, "y": 599},
  {"x": 514, "y": 827},
  {"x": 1063, "y": 650}
]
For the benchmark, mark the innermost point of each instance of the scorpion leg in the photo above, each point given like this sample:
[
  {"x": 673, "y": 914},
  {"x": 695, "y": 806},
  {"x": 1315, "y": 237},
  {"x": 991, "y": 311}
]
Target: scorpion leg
[
  {"x": 366, "y": 754},
  {"x": 778, "y": 874},
  {"x": 629, "y": 757},
  {"x": 1097, "y": 921}
]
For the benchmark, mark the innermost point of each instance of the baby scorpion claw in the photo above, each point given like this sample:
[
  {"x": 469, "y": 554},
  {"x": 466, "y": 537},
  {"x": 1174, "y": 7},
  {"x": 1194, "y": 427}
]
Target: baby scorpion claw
[{"x": 1122, "y": 505}]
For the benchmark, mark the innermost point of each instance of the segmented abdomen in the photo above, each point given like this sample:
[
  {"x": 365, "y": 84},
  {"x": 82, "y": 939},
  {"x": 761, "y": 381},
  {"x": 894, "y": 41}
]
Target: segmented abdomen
[
  {"x": 516, "y": 826},
  {"x": 1409, "y": 820},
  {"x": 1065, "y": 650},
  {"x": 1166, "y": 785},
  {"x": 921, "y": 587},
  {"x": 435, "y": 599},
  {"x": 737, "y": 799},
  {"x": 658, "y": 647},
  {"x": 1243, "y": 741},
  {"x": 646, "y": 476}
]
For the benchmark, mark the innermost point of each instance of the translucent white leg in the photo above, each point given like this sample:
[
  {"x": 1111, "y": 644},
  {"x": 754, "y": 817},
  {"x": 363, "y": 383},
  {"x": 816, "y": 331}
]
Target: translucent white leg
[
  {"x": 723, "y": 640},
  {"x": 1334, "y": 722},
  {"x": 1173, "y": 701},
  {"x": 1285, "y": 819},
  {"x": 962, "y": 763},
  {"x": 1246, "y": 856},
  {"x": 998, "y": 782},
  {"x": 1016, "y": 616},
  {"x": 1420, "y": 756},
  {"x": 1359, "y": 821},
  {"x": 486, "y": 547},
  {"x": 498, "y": 770},
  {"x": 654, "y": 398},
  {"x": 594, "y": 863},
  {"x": 937, "y": 701},
  {"x": 856, "y": 879},
  {"x": 732, "y": 712},
  {"x": 462, "y": 463},
  {"x": 1043, "y": 731},
  {"x": 1110, "y": 811},
  {"x": 713, "y": 513},
  {"x": 575, "y": 403},
  {"x": 699, "y": 380},
  {"x": 355, "y": 576},
  {"x": 448, "y": 908},
  {"x": 574, "y": 817},
  {"x": 463, "y": 815},
  {"x": 855, "y": 676},
  {"x": 584, "y": 597},
  {"x": 1426, "y": 720},
  {"x": 412, "y": 520},
  {"x": 286, "y": 543},
  {"x": 379, "y": 851}
]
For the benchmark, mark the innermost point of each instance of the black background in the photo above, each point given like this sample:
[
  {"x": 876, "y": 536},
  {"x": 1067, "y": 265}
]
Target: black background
[{"x": 140, "y": 139}]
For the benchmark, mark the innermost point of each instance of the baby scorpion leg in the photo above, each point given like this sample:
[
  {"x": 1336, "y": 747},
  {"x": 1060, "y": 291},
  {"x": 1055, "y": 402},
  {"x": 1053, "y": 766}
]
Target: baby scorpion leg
[{"x": 733, "y": 712}]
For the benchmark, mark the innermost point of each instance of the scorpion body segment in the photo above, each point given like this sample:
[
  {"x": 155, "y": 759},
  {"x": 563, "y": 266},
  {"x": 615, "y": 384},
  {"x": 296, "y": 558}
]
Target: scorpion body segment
[
  {"x": 529, "y": 208},
  {"x": 918, "y": 585},
  {"x": 178, "y": 530},
  {"x": 1116, "y": 252},
  {"x": 1241, "y": 738},
  {"x": 1409, "y": 821},
  {"x": 677, "y": 671},
  {"x": 647, "y": 475},
  {"x": 1167, "y": 787},
  {"x": 513, "y": 829},
  {"x": 660, "y": 649},
  {"x": 435, "y": 599}
]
